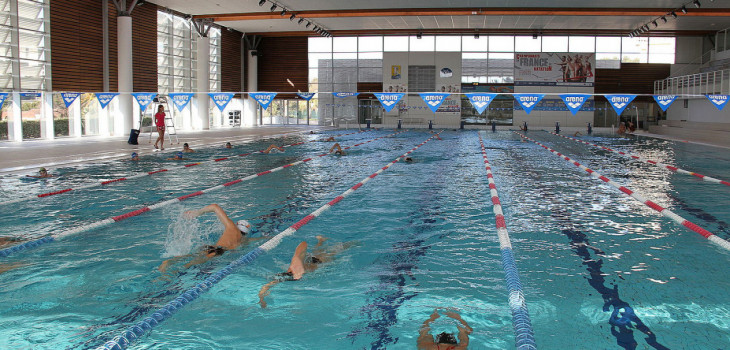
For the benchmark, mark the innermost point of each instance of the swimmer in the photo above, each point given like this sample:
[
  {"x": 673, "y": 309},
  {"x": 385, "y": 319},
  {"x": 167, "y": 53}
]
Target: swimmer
[
  {"x": 42, "y": 174},
  {"x": 621, "y": 129},
  {"x": 339, "y": 151},
  {"x": 301, "y": 263},
  {"x": 330, "y": 139},
  {"x": 234, "y": 235},
  {"x": 178, "y": 156},
  {"x": 577, "y": 133},
  {"x": 437, "y": 135},
  {"x": 187, "y": 149},
  {"x": 228, "y": 145},
  {"x": 135, "y": 157},
  {"x": 7, "y": 241},
  {"x": 444, "y": 340},
  {"x": 274, "y": 149},
  {"x": 409, "y": 160}
]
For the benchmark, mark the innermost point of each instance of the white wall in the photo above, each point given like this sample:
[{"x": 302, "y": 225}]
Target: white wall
[
  {"x": 688, "y": 55},
  {"x": 699, "y": 110}
]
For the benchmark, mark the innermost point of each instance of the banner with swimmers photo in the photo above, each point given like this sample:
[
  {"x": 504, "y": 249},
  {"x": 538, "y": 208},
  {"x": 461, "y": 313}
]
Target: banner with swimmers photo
[
  {"x": 68, "y": 98},
  {"x": 551, "y": 69},
  {"x": 389, "y": 100},
  {"x": 181, "y": 99}
]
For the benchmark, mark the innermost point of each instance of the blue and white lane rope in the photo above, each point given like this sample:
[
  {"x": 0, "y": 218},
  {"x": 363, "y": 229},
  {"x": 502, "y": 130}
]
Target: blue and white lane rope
[
  {"x": 524, "y": 335},
  {"x": 139, "y": 329},
  {"x": 94, "y": 225}
]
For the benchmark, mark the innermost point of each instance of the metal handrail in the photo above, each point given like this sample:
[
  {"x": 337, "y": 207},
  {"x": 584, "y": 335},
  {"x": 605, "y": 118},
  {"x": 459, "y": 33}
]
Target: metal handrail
[{"x": 699, "y": 84}]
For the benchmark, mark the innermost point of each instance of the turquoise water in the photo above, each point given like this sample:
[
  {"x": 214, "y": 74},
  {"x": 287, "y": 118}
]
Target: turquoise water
[{"x": 424, "y": 239}]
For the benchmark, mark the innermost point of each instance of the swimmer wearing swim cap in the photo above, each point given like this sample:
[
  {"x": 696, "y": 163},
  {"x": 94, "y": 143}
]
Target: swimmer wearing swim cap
[
  {"x": 187, "y": 149},
  {"x": 444, "y": 340},
  {"x": 178, "y": 156},
  {"x": 42, "y": 173},
  {"x": 135, "y": 156}
]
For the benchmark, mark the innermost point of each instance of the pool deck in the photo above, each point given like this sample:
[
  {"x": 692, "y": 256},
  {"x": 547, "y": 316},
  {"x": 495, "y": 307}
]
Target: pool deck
[{"x": 27, "y": 156}]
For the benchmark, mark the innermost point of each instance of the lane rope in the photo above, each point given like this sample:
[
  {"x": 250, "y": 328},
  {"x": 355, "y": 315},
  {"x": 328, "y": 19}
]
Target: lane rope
[
  {"x": 664, "y": 211},
  {"x": 165, "y": 170},
  {"x": 129, "y": 336},
  {"x": 653, "y": 162},
  {"x": 524, "y": 334},
  {"x": 50, "y": 238}
]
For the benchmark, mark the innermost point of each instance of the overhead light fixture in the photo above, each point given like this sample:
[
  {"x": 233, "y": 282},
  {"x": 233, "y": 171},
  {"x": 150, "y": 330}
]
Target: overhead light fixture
[
  {"x": 674, "y": 14},
  {"x": 283, "y": 11},
  {"x": 293, "y": 15},
  {"x": 476, "y": 35},
  {"x": 262, "y": 2},
  {"x": 309, "y": 24},
  {"x": 315, "y": 28},
  {"x": 654, "y": 23},
  {"x": 301, "y": 20},
  {"x": 534, "y": 36},
  {"x": 419, "y": 35},
  {"x": 273, "y": 7},
  {"x": 697, "y": 4},
  {"x": 684, "y": 9},
  {"x": 647, "y": 27},
  {"x": 664, "y": 19},
  {"x": 631, "y": 35}
]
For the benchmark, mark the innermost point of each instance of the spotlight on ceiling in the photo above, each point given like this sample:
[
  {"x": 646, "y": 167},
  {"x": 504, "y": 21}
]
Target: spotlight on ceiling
[
  {"x": 646, "y": 27},
  {"x": 684, "y": 9},
  {"x": 301, "y": 20},
  {"x": 273, "y": 7},
  {"x": 664, "y": 19},
  {"x": 476, "y": 35},
  {"x": 697, "y": 4},
  {"x": 283, "y": 11},
  {"x": 419, "y": 35},
  {"x": 293, "y": 15},
  {"x": 674, "y": 14},
  {"x": 631, "y": 35},
  {"x": 309, "y": 24},
  {"x": 654, "y": 23},
  {"x": 262, "y": 2},
  {"x": 315, "y": 28}
]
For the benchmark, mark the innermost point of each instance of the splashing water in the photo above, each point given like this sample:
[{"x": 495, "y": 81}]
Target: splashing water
[{"x": 184, "y": 235}]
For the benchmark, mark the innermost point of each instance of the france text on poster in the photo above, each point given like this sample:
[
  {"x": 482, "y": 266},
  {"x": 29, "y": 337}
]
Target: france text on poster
[{"x": 563, "y": 69}]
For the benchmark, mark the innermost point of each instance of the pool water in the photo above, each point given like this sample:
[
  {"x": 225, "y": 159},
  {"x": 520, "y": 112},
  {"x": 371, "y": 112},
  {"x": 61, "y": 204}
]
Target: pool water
[{"x": 423, "y": 236}]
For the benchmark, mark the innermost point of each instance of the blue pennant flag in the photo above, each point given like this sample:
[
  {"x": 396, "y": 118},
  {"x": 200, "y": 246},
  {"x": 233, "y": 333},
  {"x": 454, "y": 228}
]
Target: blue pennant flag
[
  {"x": 574, "y": 101},
  {"x": 664, "y": 101},
  {"x": 30, "y": 94},
  {"x": 620, "y": 102},
  {"x": 718, "y": 101},
  {"x": 69, "y": 97},
  {"x": 528, "y": 101},
  {"x": 388, "y": 99},
  {"x": 221, "y": 99},
  {"x": 144, "y": 99},
  {"x": 481, "y": 101},
  {"x": 345, "y": 94},
  {"x": 181, "y": 99},
  {"x": 3, "y": 96},
  {"x": 105, "y": 97},
  {"x": 306, "y": 95},
  {"x": 263, "y": 98},
  {"x": 434, "y": 100}
]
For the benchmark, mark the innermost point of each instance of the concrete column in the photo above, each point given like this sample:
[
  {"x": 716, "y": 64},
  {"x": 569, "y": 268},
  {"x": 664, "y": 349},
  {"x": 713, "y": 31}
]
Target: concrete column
[
  {"x": 74, "y": 115},
  {"x": 250, "y": 105},
  {"x": 202, "y": 122},
  {"x": 47, "y": 130},
  {"x": 15, "y": 125},
  {"x": 125, "y": 85}
]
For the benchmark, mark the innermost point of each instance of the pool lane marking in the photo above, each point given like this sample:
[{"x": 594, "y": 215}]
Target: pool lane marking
[
  {"x": 103, "y": 183},
  {"x": 32, "y": 244},
  {"x": 664, "y": 211},
  {"x": 524, "y": 334},
  {"x": 653, "y": 162},
  {"x": 127, "y": 337}
]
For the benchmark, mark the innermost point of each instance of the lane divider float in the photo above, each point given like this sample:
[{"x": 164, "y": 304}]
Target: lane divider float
[
  {"x": 653, "y": 162},
  {"x": 103, "y": 183},
  {"x": 524, "y": 334},
  {"x": 133, "y": 333},
  {"x": 664, "y": 211},
  {"x": 50, "y": 238}
]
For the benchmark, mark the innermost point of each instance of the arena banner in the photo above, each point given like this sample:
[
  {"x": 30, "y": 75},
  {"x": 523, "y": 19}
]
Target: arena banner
[
  {"x": 30, "y": 94},
  {"x": 3, "y": 96},
  {"x": 664, "y": 101},
  {"x": 388, "y": 99},
  {"x": 620, "y": 102},
  {"x": 481, "y": 100},
  {"x": 718, "y": 101},
  {"x": 528, "y": 101},
  {"x": 68, "y": 98},
  {"x": 144, "y": 99},
  {"x": 306, "y": 95},
  {"x": 550, "y": 69},
  {"x": 574, "y": 101},
  {"x": 105, "y": 97},
  {"x": 433, "y": 100},
  {"x": 221, "y": 99},
  {"x": 263, "y": 98},
  {"x": 345, "y": 94},
  {"x": 181, "y": 99}
]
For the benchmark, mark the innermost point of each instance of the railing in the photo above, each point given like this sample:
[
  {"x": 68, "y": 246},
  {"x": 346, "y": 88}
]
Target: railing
[
  {"x": 722, "y": 40},
  {"x": 717, "y": 82}
]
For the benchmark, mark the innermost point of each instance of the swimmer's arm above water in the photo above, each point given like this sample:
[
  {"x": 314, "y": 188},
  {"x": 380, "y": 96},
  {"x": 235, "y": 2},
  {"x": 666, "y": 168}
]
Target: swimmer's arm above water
[
  {"x": 215, "y": 208},
  {"x": 265, "y": 292},
  {"x": 424, "y": 335}
]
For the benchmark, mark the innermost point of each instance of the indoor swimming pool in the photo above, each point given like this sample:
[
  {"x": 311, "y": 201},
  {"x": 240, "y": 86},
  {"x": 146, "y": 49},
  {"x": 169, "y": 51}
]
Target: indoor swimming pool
[{"x": 419, "y": 236}]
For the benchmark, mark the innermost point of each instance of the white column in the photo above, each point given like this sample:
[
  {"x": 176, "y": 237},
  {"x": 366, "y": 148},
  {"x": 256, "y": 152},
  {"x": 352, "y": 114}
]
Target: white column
[
  {"x": 47, "y": 130},
  {"x": 250, "y": 105},
  {"x": 15, "y": 124},
  {"x": 103, "y": 118},
  {"x": 74, "y": 115},
  {"x": 124, "y": 66},
  {"x": 202, "y": 122}
]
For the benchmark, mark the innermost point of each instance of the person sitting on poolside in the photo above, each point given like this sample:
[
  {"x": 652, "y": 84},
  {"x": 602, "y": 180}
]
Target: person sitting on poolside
[
  {"x": 234, "y": 235},
  {"x": 228, "y": 145},
  {"x": 301, "y": 263},
  {"x": 273, "y": 148},
  {"x": 339, "y": 151},
  {"x": 178, "y": 156},
  {"x": 42, "y": 174},
  {"x": 444, "y": 340},
  {"x": 187, "y": 149}
]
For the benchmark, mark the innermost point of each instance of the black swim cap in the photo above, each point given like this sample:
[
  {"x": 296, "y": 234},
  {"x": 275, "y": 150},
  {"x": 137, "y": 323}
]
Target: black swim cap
[{"x": 446, "y": 338}]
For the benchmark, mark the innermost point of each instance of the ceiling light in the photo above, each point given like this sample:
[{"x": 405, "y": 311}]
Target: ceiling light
[
  {"x": 262, "y": 2},
  {"x": 315, "y": 28},
  {"x": 273, "y": 7},
  {"x": 476, "y": 35},
  {"x": 283, "y": 11},
  {"x": 664, "y": 19},
  {"x": 419, "y": 35},
  {"x": 631, "y": 35},
  {"x": 674, "y": 14},
  {"x": 654, "y": 23},
  {"x": 647, "y": 27},
  {"x": 301, "y": 20},
  {"x": 684, "y": 9},
  {"x": 293, "y": 15},
  {"x": 309, "y": 24},
  {"x": 697, "y": 4}
]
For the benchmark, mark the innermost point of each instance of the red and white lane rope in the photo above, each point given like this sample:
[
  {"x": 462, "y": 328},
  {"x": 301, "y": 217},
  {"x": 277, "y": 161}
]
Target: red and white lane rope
[
  {"x": 661, "y": 165},
  {"x": 103, "y": 183},
  {"x": 664, "y": 211}
]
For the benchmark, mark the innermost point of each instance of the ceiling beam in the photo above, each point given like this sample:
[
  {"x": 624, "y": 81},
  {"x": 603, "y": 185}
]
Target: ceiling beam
[
  {"x": 488, "y": 31},
  {"x": 505, "y": 11}
]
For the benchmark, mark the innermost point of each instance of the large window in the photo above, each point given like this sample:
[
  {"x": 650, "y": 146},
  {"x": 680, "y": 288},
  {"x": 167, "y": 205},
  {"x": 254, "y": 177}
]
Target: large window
[{"x": 25, "y": 28}]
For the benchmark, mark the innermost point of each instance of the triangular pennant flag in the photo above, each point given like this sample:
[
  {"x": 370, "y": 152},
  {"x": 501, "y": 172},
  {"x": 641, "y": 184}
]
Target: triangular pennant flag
[
  {"x": 181, "y": 99},
  {"x": 664, "y": 101},
  {"x": 30, "y": 94},
  {"x": 574, "y": 101},
  {"x": 221, "y": 99},
  {"x": 3, "y": 96},
  {"x": 433, "y": 100},
  {"x": 481, "y": 101},
  {"x": 528, "y": 101},
  {"x": 263, "y": 98},
  {"x": 718, "y": 101},
  {"x": 345, "y": 94},
  {"x": 306, "y": 95},
  {"x": 69, "y": 97},
  {"x": 144, "y": 99},
  {"x": 389, "y": 99},
  {"x": 620, "y": 102},
  {"x": 105, "y": 97}
]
